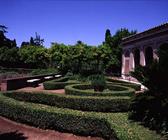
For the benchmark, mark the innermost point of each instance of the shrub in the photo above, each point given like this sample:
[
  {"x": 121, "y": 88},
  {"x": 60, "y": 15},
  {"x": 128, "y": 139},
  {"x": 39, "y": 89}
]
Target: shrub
[
  {"x": 56, "y": 118},
  {"x": 155, "y": 102},
  {"x": 84, "y": 90},
  {"x": 100, "y": 104},
  {"x": 98, "y": 82},
  {"x": 43, "y": 71},
  {"x": 151, "y": 111}
]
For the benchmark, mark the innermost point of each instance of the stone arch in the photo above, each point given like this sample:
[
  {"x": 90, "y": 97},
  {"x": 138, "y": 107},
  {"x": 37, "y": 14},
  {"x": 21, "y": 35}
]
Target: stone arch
[
  {"x": 163, "y": 49},
  {"x": 127, "y": 53},
  {"x": 148, "y": 55},
  {"x": 136, "y": 57}
]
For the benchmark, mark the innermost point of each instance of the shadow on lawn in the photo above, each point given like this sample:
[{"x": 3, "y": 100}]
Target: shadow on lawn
[{"x": 15, "y": 135}]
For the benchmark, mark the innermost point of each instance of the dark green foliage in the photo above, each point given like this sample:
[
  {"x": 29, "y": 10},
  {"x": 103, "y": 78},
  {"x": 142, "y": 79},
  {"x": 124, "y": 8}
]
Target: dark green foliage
[
  {"x": 44, "y": 71},
  {"x": 59, "y": 83},
  {"x": 98, "y": 82},
  {"x": 154, "y": 103},
  {"x": 85, "y": 90},
  {"x": 98, "y": 104},
  {"x": 54, "y": 118}
]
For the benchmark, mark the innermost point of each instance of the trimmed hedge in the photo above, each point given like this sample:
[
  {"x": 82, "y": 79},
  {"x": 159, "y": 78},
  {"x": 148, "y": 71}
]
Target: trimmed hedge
[
  {"x": 64, "y": 120},
  {"x": 84, "y": 90},
  {"x": 59, "y": 83},
  {"x": 98, "y": 104},
  {"x": 61, "y": 79},
  {"x": 107, "y": 125},
  {"x": 137, "y": 87}
]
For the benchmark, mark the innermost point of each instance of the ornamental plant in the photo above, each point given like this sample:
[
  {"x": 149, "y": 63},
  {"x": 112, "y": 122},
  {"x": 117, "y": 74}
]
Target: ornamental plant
[{"x": 98, "y": 82}]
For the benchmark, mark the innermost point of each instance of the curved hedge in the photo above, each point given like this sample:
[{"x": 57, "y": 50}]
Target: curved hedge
[
  {"x": 83, "y": 90},
  {"x": 110, "y": 126},
  {"x": 137, "y": 87},
  {"x": 84, "y": 103},
  {"x": 64, "y": 120},
  {"x": 59, "y": 83}
]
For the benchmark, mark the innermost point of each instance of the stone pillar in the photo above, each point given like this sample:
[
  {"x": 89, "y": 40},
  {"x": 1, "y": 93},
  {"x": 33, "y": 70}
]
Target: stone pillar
[
  {"x": 123, "y": 64},
  {"x": 131, "y": 64},
  {"x": 155, "y": 53},
  {"x": 142, "y": 56}
]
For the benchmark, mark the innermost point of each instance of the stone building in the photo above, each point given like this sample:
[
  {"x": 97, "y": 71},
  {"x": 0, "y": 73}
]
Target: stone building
[{"x": 142, "y": 48}]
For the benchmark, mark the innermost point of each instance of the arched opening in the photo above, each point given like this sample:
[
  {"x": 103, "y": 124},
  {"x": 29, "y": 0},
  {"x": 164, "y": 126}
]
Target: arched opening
[
  {"x": 136, "y": 57},
  {"x": 148, "y": 55},
  {"x": 163, "y": 51},
  {"x": 127, "y": 54}
]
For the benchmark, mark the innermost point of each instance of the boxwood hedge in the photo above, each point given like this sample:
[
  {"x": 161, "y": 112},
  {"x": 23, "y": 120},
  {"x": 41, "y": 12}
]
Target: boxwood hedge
[
  {"x": 84, "y": 103},
  {"x": 137, "y": 87},
  {"x": 59, "y": 83},
  {"x": 84, "y": 90},
  {"x": 107, "y": 125},
  {"x": 65, "y": 120}
]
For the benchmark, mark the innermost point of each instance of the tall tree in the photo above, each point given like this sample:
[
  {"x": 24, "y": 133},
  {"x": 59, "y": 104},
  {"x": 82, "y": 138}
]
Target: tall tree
[
  {"x": 32, "y": 41},
  {"x": 108, "y": 40},
  {"x": 38, "y": 41},
  {"x": 3, "y": 29}
]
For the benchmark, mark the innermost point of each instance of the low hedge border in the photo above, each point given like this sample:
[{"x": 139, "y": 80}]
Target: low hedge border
[
  {"x": 51, "y": 85},
  {"x": 59, "y": 83},
  {"x": 84, "y": 103},
  {"x": 81, "y": 90},
  {"x": 64, "y": 120},
  {"x": 61, "y": 79},
  {"x": 106, "y": 125},
  {"x": 137, "y": 87}
]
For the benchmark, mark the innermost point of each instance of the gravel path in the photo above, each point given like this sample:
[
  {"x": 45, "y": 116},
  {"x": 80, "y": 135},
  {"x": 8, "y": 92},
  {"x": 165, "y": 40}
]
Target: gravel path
[{"x": 41, "y": 88}]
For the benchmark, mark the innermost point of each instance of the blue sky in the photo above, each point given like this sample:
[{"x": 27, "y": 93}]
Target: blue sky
[{"x": 66, "y": 21}]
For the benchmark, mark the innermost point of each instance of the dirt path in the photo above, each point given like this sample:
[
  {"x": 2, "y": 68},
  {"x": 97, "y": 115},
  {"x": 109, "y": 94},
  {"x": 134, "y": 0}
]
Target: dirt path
[{"x": 10, "y": 130}]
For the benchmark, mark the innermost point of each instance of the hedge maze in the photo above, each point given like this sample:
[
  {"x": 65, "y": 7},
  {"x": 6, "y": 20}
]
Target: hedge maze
[{"x": 80, "y": 110}]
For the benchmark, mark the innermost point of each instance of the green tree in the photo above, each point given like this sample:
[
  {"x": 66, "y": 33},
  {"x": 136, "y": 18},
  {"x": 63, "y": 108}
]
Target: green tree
[
  {"x": 34, "y": 57},
  {"x": 108, "y": 38}
]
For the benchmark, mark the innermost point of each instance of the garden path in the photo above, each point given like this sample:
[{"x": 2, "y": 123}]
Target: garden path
[
  {"x": 41, "y": 88},
  {"x": 10, "y": 130}
]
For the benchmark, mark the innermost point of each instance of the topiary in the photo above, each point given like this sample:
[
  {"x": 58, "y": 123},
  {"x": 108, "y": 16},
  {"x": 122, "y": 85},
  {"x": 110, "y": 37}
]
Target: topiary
[{"x": 98, "y": 82}]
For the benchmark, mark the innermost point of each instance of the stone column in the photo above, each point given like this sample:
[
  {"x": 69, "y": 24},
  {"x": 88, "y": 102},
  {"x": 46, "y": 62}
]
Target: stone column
[
  {"x": 131, "y": 64},
  {"x": 155, "y": 53},
  {"x": 142, "y": 56},
  {"x": 123, "y": 64}
]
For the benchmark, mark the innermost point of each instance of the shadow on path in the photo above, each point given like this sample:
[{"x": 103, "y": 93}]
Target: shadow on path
[{"x": 15, "y": 135}]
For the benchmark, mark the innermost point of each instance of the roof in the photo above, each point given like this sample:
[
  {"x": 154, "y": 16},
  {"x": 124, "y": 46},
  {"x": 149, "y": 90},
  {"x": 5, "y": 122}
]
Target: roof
[{"x": 155, "y": 30}]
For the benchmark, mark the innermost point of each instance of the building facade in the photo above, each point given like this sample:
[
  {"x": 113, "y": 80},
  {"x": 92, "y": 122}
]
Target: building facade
[{"x": 142, "y": 48}]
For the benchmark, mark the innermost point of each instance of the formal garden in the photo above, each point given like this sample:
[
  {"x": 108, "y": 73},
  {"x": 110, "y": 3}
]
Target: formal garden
[
  {"x": 87, "y": 108},
  {"x": 94, "y": 103}
]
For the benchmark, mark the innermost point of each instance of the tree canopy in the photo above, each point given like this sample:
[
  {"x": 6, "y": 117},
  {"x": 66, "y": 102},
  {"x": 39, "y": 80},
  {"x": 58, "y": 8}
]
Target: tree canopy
[{"x": 77, "y": 58}]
